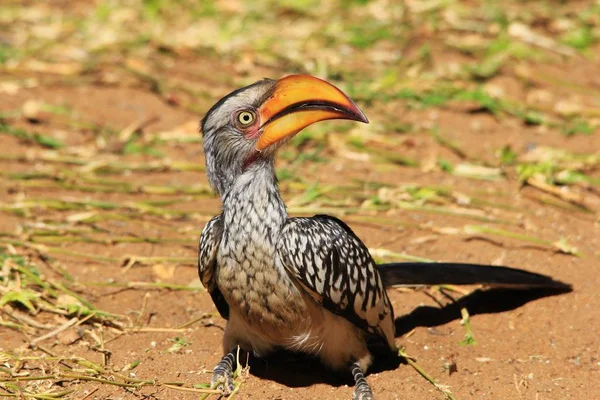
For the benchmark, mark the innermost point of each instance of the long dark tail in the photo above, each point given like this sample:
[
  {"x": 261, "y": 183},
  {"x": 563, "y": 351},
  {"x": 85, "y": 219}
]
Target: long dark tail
[{"x": 428, "y": 274}]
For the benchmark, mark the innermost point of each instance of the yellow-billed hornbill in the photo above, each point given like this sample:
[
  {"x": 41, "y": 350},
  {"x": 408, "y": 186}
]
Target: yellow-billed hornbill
[{"x": 303, "y": 284}]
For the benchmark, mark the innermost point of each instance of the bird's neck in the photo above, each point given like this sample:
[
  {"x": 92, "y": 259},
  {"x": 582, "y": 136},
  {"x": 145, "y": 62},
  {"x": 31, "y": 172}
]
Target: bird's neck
[{"x": 253, "y": 201}]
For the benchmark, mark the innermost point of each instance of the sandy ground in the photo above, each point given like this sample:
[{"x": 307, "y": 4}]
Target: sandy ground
[{"x": 528, "y": 345}]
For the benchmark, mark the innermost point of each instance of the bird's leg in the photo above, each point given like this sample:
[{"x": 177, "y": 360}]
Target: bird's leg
[
  {"x": 222, "y": 378},
  {"x": 362, "y": 390}
]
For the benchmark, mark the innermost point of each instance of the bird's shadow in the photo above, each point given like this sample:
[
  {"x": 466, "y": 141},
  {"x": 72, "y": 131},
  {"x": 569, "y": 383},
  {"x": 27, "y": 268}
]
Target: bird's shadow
[
  {"x": 490, "y": 301},
  {"x": 298, "y": 370}
]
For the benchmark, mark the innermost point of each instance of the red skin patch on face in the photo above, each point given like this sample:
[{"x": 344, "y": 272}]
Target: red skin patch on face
[{"x": 251, "y": 132}]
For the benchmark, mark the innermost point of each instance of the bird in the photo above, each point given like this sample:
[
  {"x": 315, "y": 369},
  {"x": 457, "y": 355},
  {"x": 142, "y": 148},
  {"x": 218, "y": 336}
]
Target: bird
[{"x": 304, "y": 284}]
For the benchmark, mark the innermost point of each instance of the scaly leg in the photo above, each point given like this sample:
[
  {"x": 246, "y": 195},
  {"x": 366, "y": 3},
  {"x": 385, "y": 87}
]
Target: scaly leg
[
  {"x": 362, "y": 390},
  {"x": 222, "y": 378}
]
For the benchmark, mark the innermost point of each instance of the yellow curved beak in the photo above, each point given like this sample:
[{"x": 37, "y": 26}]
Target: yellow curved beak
[{"x": 298, "y": 101}]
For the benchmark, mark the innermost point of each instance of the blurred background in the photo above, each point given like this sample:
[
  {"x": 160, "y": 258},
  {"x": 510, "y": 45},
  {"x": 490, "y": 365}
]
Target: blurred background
[
  {"x": 483, "y": 146},
  {"x": 421, "y": 69}
]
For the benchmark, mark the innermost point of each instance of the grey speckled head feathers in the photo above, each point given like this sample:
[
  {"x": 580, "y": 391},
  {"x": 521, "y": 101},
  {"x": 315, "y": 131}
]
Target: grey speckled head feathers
[{"x": 225, "y": 146}]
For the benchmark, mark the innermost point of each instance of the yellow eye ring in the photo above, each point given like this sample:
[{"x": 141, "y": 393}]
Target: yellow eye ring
[{"x": 245, "y": 118}]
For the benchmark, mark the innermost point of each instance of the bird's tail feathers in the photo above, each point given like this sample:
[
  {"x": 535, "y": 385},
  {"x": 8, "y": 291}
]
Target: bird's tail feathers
[{"x": 414, "y": 274}]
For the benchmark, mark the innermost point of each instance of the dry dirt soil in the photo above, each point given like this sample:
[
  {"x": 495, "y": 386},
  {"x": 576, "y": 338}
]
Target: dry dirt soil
[{"x": 115, "y": 210}]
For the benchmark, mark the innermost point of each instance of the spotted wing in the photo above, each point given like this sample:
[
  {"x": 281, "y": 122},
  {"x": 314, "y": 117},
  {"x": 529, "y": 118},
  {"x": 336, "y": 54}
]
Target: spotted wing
[
  {"x": 210, "y": 239},
  {"x": 336, "y": 269}
]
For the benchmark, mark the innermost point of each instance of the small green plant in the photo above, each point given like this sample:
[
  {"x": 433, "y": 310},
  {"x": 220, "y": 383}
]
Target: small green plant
[
  {"x": 507, "y": 155},
  {"x": 577, "y": 127},
  {"x": 22, "y": 134},
  {"x": 178, "y": 344},
  {"x": 580, "y": 38},
  {"x": 444, "y": 165},
  {"x": 7, "y": 52},
  {"x": 469, "y": 339}
]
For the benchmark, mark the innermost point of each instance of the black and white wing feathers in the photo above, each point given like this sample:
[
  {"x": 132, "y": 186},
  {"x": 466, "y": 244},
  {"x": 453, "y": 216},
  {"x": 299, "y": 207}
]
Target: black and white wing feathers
[
  {"x": 335, "y": 267},
  {"x": 210, "y": 239}
]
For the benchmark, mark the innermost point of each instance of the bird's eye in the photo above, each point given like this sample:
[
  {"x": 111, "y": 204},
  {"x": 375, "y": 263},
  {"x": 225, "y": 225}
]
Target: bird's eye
[{"x": 245, "y": 118}]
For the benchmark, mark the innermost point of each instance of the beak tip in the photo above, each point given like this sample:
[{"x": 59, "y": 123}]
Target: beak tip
[{"x": 359, "y": 115}]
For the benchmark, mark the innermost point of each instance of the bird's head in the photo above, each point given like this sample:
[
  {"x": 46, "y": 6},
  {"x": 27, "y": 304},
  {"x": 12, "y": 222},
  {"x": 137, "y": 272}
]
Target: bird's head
[{"x": 248, "y": 125}]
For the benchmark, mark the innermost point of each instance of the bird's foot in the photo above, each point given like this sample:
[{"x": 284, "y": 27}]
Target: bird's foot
[
  {"x": 362, "y": 390},
  {"x": 222, "y": 378},
  {"x": 222, "y": 381}
]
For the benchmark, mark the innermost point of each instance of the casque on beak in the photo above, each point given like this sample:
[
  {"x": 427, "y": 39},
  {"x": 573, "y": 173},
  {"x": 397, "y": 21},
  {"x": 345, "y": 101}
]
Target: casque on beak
[{"x": 298, "y": 101}]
